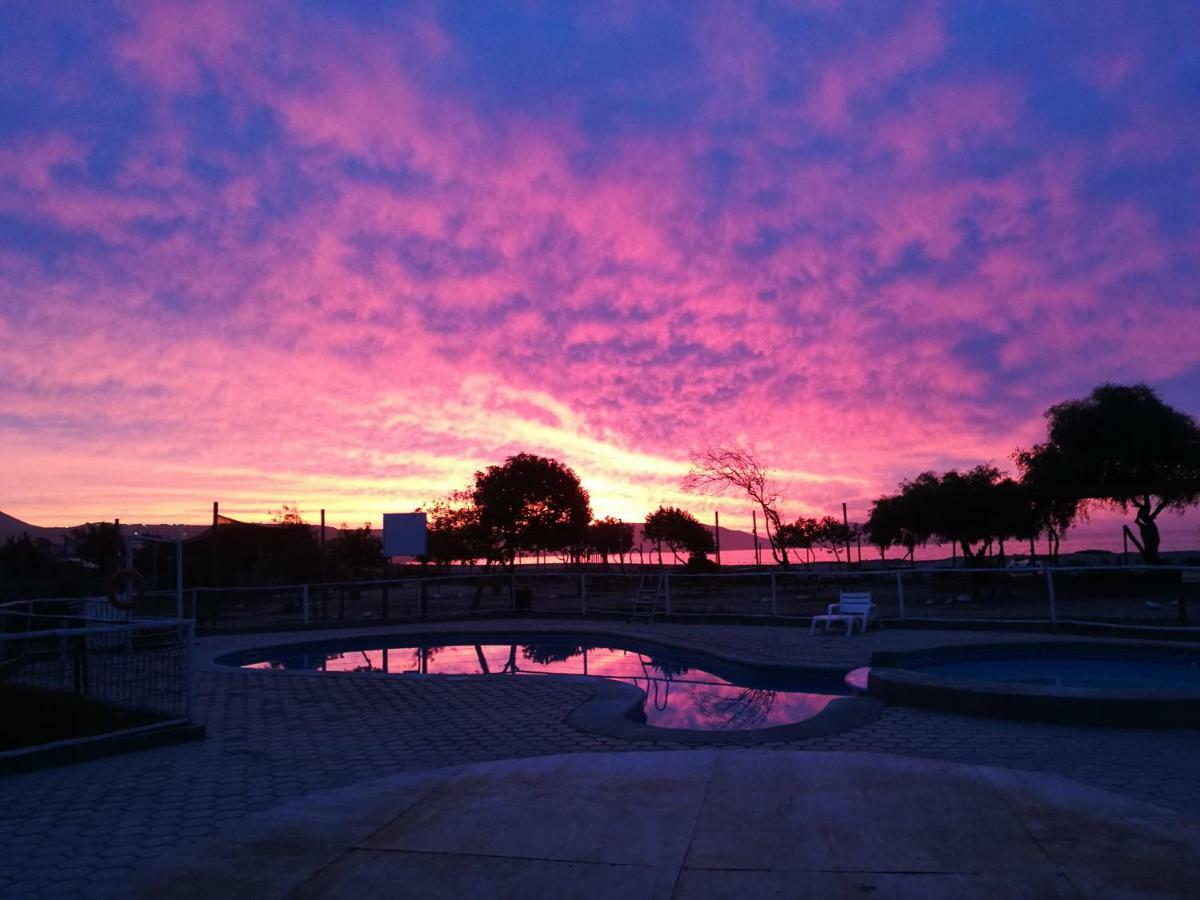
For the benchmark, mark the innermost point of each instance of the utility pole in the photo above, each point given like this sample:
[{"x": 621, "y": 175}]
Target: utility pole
[
  {"x": 754, "y": 525},
  {"x": 322, "y": 546},
  {"x": 717, "y": 533},
  {"x": 213, "y": 580}
]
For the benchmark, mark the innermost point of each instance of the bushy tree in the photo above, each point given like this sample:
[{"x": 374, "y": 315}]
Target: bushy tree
[
  {"x": 834, "y": 535},
  {"x": 530, "y": 503},
  {"x": 973, "y": 510},
  {"x": 356, "y": 552},
  {"x": 800, "y": 535},
  {"x": 679, "y": 530},
  {"x": 1121, "y": 446},
  {"x": 1044, "y": 477},
  {"x": 610, "y": 537},
  {"x": 454, "y": 534},
  {"x": 891, "y": 524},
  {"x": 100, "y": 544}
]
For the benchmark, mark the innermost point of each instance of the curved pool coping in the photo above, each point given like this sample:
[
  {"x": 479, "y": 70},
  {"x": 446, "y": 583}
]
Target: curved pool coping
[
  {"x": 611, "y": 710},
  {"x": 895, "y": 678}
]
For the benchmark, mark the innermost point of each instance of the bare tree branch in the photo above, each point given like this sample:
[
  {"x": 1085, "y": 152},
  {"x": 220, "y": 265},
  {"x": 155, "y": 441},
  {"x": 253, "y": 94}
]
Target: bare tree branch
[{"x": 718, "y": 470}]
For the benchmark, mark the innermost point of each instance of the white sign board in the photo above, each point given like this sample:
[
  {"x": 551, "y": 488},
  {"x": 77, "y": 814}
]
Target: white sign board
[{"x": 404, "y": 534}]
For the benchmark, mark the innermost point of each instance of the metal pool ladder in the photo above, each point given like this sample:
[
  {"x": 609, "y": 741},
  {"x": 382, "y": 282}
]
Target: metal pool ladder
[{"x": 650, "y": 589}]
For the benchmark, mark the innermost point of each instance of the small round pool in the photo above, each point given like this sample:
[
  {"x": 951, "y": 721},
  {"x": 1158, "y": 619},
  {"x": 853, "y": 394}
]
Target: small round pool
[
  {"x": 1131, "y": 685},
  {"x": 684, "y": 689}
]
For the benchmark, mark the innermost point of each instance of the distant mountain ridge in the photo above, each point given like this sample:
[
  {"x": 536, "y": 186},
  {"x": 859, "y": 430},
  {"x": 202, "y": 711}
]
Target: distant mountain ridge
[{"x": 11, "y": 526}]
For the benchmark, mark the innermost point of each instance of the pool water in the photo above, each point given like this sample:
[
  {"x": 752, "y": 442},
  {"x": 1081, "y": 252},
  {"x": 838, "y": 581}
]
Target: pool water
[
  {"x": 1105, "y": 674},
  {"x": 681, "y": 692}
]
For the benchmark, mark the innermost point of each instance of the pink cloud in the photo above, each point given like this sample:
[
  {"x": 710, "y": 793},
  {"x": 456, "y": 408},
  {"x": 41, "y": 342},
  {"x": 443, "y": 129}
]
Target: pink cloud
[{"x": 404, "y": 284}]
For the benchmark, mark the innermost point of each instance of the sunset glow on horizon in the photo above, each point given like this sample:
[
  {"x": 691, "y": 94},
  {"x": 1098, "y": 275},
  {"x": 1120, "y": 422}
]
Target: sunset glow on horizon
[{"x": 344, "y": 255}]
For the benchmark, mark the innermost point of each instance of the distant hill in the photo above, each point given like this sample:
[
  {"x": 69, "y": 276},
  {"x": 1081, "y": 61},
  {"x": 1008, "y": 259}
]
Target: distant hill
[
  {"x": 731, "y": 539},
  {"x": 10, "y": 526}
]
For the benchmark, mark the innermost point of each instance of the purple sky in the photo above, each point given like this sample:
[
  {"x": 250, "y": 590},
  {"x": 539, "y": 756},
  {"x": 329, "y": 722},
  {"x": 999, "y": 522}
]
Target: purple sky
[{"x": 344, "y": 254}]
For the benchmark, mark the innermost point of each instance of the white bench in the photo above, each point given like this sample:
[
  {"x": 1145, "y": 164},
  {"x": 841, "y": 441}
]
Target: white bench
[{"x": 851, "y": 608}]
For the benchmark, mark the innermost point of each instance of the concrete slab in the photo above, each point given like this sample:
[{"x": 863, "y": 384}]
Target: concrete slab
[
  {"x": 270, "y": 855},
  {"x": 362, "y": 874},
  {"x": 856, "y": 816},
  {"x": 703, "y": 824},
  {"x": 1043, "y": 883},
  {"x": 555, "y": 808}
]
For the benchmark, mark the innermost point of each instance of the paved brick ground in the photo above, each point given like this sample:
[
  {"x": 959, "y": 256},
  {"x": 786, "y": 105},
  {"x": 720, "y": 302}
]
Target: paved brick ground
[{"x": 274, "y": 737}]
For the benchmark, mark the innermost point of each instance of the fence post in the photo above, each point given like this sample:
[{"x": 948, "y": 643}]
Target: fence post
[
  {"x": 189, "y": 687},
  {"x": 583, "y": 593},
  {"x": 304, "y": 601},
  {"x": 774, "y": 598},
  {"x": 1050, "y": 595},
  {"x": 900, "y": 592},
  {"x": 667, "y": 591},
  {"x": 179, "y": 579}
]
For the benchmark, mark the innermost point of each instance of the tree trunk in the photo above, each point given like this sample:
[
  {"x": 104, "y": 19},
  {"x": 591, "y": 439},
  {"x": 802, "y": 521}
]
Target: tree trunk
[
  {"x": 1151, "y": 539},
  {"x": 771, "y": 523}
]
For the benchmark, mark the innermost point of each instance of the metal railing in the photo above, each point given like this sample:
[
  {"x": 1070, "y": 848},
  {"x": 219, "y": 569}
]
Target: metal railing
[
  {"x": 141, "y": 666},
  {"x": 1131, "y": 595}
]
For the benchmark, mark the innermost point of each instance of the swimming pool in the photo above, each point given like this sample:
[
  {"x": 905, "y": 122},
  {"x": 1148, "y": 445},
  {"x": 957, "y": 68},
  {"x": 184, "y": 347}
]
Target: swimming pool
[
  {"x": 1135, "y": 685},
  {"x": 1097, "y": 673},
  {"x": 683, "y": 689}
]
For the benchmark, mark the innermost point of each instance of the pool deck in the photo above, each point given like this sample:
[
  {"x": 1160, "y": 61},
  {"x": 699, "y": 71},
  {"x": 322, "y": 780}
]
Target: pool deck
[
  {"x": 276, "y": 738},
  {"x": 698, "y": 824}
]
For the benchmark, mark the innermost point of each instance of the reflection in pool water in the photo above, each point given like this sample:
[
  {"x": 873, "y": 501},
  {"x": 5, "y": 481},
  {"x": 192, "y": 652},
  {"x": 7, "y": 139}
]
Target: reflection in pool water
[{"x": 679, "y": 693}]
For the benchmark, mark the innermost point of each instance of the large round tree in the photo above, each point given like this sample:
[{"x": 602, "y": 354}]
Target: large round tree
[
  {"x": 1121, "y": 446},
  {"x": 531, "y": 503}
]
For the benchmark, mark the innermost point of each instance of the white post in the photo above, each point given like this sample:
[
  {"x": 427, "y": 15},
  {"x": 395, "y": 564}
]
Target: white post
[
  {"x": 583, "y": 593},
  {"x": 304, "y": 601},
  {"x": 774, "y": 598},
  {"x": 900, "y": 592},
  {"x": 179, "y": 579},
  {"x": 1050, "y": 595},
  {"x": 189, "y": 687},
  {"x": 667, "y": 590}
]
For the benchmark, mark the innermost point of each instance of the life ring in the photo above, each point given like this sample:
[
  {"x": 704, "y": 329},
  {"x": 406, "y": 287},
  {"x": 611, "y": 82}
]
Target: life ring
[{"x": 137, "y": 586}]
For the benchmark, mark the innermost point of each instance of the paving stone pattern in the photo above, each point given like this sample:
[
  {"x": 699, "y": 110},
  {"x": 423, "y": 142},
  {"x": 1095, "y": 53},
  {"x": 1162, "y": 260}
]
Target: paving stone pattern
[{"x": 274, "y": 737}]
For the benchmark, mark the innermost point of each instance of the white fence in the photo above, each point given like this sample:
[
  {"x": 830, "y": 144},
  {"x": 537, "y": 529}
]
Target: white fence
[{"x": 1155, "y": 596}]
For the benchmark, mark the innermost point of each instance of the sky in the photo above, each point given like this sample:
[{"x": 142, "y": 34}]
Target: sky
[{"x": 345, "y": 254}]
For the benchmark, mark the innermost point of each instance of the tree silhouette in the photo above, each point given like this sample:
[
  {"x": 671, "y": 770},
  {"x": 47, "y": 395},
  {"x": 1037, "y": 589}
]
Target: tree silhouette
[
  {"x": 530, "y": 503},
  {"x": 890, "y": 524},
  {"x": 679, "y": 530},
  {"x": 454, "y": 532},
  {"x": 748, "y": 708},
  {"x": 1121, "y": 446},
  {"x": 716, "y": 470},
  {"x": 973, "y": 509},
  {"x": 100, "y": 544},
  {"x": 835, "y": 536},
  {"x": 356, "y": 553},
  {"x": 547, "y": 652},
  {"x": 800, "y": 535},
  {"x": 609, "y": 537}
]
